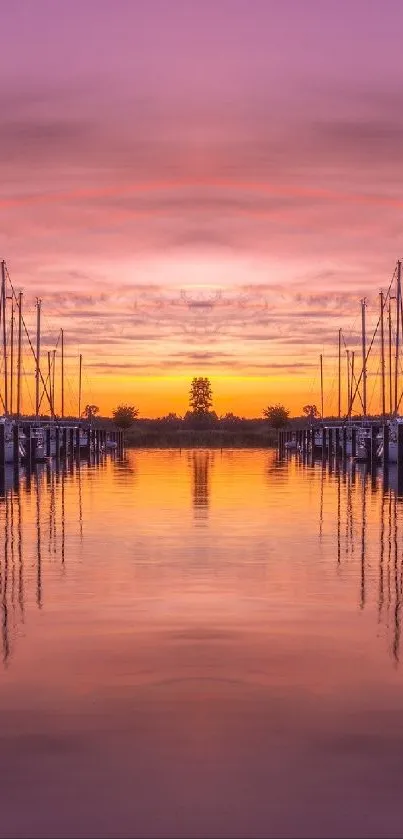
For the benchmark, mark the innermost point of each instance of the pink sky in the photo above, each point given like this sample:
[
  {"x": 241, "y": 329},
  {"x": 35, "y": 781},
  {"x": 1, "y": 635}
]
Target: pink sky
[{"x": 201, "y": 188}]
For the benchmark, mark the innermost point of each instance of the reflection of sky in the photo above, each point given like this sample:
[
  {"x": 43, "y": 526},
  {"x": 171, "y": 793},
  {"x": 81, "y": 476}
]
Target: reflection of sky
[
  {"x": 153, "y": 147},
  {"x": 220, "y": 666}
]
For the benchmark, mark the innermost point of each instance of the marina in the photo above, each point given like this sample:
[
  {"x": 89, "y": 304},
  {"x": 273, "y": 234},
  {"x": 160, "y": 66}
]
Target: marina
[{"x": 26, "y": 440}]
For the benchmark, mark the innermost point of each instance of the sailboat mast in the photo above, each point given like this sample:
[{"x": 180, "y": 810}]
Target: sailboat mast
[
  {"x": 79, "y": 387},
  {"x": 4, "y": 333},
  {"x": 50, "y": 384},
  {"x": 364, "y": 357},
  {"x": 321, "y": 384},
  {"x": 381, "y": 301},
  {"x": 62, "y": 373},
  {"x": 390, "y": 357},
  {"x": 398, "y": 298},
  {"x": 12, "y": 357},
  {"x": 19, "y": 356},
  {"x": 339, "y": 399},
  {"x": 352, "y": 380},
  {"x": 53, "y": 383},
  {"x": 348, "y": 382},
  {"x": 38, "y": 351}
]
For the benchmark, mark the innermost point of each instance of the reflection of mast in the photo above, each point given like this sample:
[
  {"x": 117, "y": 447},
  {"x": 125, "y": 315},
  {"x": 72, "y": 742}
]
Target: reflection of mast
[
  {"x": 363, "y": 545},
  {"x": 20, "y": 559},
  {"x": 12, "y": 555},
  {"x": 381, "y": 558},
  {"x": 80, "y": 501},
  {"x": 322, "y": 474},
  {"x": 4, "y": 604},
  {"x": 63, "y": 515},
  {"x": 38, "y": 546},
  {"x": 52, "y": 514},
  {"x": 389, "y": 549},
  {"x": 396, "y": 628},
  {"x": 338, "y": 517}
]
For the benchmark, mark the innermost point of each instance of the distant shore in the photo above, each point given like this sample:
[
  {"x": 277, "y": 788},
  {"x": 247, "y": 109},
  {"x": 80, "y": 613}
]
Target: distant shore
[{"x": 138, "y": 437}]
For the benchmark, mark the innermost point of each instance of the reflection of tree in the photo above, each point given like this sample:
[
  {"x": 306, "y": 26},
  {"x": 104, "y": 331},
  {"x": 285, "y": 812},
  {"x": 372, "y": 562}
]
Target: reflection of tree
[
  {"x": 201, "y": 462},
  {"x": 124, "y": 468}
]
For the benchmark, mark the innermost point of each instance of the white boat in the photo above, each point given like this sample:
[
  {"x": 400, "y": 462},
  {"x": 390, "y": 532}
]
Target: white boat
[
  {"x": 9, "y": 441},
  {"x": 393, "y": 424},
  {"x": 38, "y": 434}
]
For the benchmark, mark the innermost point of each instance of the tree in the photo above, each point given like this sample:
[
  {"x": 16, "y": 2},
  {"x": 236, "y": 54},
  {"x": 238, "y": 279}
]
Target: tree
[
  {"x": 90, "y": 411},
  {"x": 230, "y": 420},
  {"x": 310, "y": 411},
  {"x": 277, "y": 415},
  {"x": 124, "y": 415},
  {"x": 201, "y": 396}
]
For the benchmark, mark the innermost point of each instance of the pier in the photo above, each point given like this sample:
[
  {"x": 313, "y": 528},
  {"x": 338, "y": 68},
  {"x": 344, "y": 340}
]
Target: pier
[
  {"x": 374, "y": 443},
  {"x": 29, "y": 442}
]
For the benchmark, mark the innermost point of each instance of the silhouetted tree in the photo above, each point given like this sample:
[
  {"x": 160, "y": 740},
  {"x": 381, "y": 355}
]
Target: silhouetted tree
[
  {"x": 124, "y": 415},
  {"x": 230, "y": 421},
  {"x": 200, "y": 420},
  {"x": 201, "y": 396},
  {"x": 310, "y": 411},
  {"x": 90, "y": 411},
  {"x": 277, "y": 415}
]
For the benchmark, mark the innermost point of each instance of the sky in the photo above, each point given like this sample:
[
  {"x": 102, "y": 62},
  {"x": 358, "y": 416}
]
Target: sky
[{"x": 201, "y": 189}]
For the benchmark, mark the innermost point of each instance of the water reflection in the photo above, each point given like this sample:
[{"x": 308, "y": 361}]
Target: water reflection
[
  {"x": 221, "y": 626},
  {"x": 45, "y": 530},
  {"x": 201, "y": 464},
  {"x": 356, "y": 514},
  {"x": 357, "y": 533}
]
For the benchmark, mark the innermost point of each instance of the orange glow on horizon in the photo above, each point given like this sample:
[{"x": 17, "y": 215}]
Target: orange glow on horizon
[{"x": 156, "y": 396}]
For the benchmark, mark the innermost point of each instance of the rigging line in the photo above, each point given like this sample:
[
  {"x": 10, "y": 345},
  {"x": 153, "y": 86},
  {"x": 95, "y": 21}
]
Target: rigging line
[
  {"x": 30, "y": 344},
  {"x": 54, "y": 349},
  {"x": 374, "y": 385},
  {"x": 354, "y": 376},
  {"x": 27, "y": 387},
  {"x": 372, "y": 339}
]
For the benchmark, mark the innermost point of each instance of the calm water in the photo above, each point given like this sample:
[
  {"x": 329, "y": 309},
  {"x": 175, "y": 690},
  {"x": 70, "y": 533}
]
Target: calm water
[{"x": 201, "y": 644}]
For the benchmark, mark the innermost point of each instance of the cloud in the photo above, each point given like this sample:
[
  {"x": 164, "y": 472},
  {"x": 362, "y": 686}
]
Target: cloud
[{"x": 273, "y": 226}]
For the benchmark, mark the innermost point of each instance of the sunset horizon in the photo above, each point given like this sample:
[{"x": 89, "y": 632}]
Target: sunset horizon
[
  {"x": 206, "y": 202},
  {"x": 201, "y": 419}
]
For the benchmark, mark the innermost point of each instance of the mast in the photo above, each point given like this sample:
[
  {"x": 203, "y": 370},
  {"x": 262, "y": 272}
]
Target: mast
[
  {"x": 381, "y": 301},
  {"x": 12, "y": 357},
  {"x": 321, "y": 384},
  {"x": 339, "y": 400},
  {"x": 352, "y": 380},
  {"x": 79, "y": 387},
  {"x": 37, "y": 359},
  {"x": 53, "y": 383},
  {"x": 4, "y": 332},
  {"x": 62, "y": 374},
  {"x": 398, "y": 297},
  {"x": 348, "y": 382},
  {"x": 50, "y": 384},
  {"x": 390, "y": 356},
  {"x": 19, "y": 356},
  {"x": 364, "y": 357}
]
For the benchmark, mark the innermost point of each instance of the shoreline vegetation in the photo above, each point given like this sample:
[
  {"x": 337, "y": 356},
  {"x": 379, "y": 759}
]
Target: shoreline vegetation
[{"x": 200, "y": 427}]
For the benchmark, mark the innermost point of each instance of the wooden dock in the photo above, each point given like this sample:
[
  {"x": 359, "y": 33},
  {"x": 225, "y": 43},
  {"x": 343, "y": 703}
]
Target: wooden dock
[
  {"x": 30, "y": 442},
  {"x": 376, "y": 443}
]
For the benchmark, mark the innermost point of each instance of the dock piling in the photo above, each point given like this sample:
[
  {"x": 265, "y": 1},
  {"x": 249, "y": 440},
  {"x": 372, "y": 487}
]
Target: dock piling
[
  {"x": 2, "y": 447},
  {"x": 385, "y": 458},
  {"x": 353, "y": 442}
]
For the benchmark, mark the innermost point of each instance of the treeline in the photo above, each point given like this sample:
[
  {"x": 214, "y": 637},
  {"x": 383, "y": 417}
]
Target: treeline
[{"x": 195, "y": 430}]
